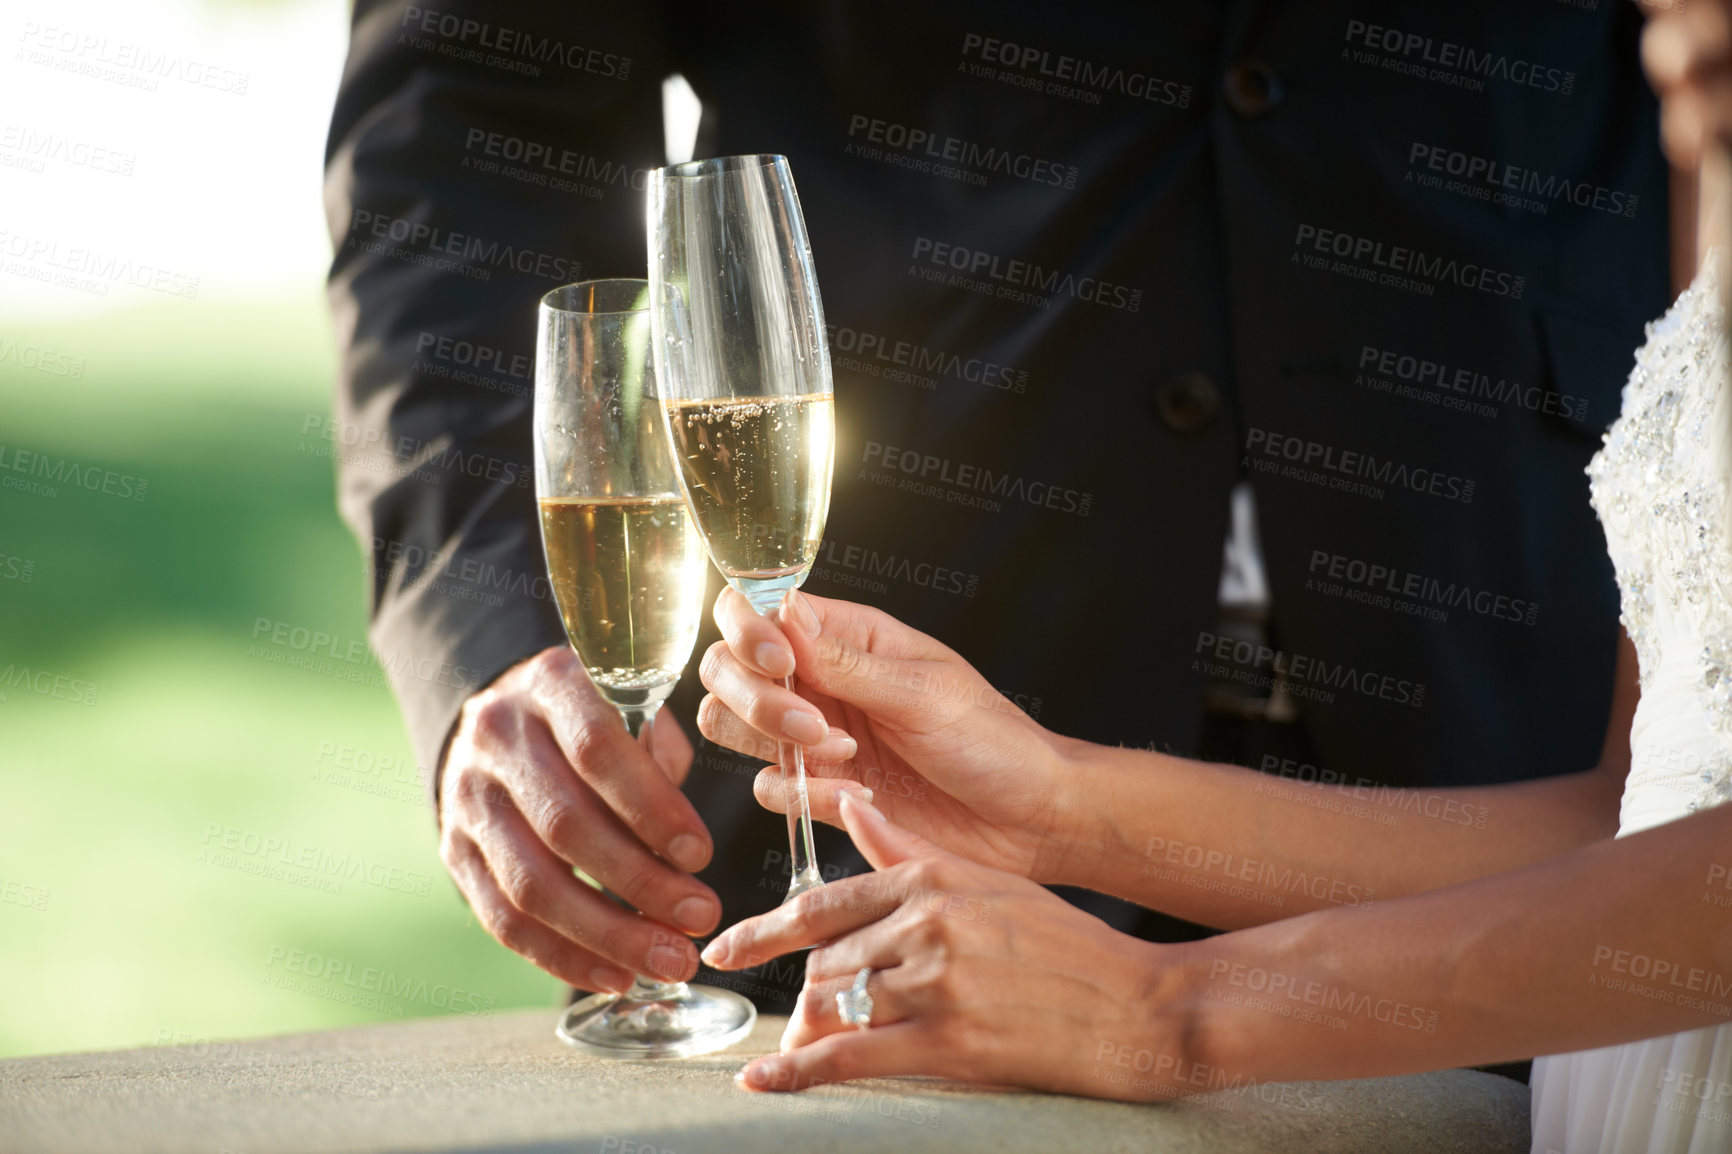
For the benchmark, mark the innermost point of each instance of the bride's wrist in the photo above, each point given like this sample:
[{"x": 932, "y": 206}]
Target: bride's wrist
[{"x": 1078, "y": 840}]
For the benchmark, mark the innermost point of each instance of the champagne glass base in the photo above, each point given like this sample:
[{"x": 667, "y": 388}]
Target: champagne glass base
[
  {"x": 809, "y": 880},
  {"x": 688, "y": 1020},
  {"x": 766, "y": 594}
]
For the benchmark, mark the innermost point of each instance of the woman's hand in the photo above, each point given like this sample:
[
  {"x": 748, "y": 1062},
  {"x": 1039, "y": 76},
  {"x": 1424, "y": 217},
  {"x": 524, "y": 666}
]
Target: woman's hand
[
  {"x": 977, "y": 975},
  {"x": 1687, "y": 51},
  {"x": 887, "y": 707}
]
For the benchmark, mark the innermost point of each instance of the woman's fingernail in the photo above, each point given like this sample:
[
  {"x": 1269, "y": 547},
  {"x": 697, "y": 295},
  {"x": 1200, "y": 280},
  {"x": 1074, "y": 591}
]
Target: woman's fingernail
[
  {"x": 840, "y": 746},
  {"x": 717, "y": 952},
  {"x": 687, "y": 851},
  {"x": 757, "y": 1075},
  {"x": 804, "y": 727},
  {"x": 800, "y": 615},
  {"x": 864, "y": 804},
  {"x": 695, "y": 914},
  {"x": 609, "y": 979},
  {"x": 773, "y": 659},
  {"x": 861, "y": 794}
]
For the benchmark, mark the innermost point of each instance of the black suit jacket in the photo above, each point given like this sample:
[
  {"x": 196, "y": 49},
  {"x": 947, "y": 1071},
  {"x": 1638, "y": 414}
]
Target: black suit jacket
[{"x": 1083, "y": 271}]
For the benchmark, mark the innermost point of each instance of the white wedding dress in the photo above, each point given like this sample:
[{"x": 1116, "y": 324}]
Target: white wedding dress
[{"x": 1661, "y": 488}]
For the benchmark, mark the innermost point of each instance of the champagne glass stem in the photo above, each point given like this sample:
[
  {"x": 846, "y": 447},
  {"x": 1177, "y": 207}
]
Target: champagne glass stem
[
  {"x": 802, "y": 853},
  {"x": 640, "y": 723}
]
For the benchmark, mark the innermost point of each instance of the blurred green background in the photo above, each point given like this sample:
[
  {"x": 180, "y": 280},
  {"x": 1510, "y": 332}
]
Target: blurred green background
[{"x": 193, "y": 738}]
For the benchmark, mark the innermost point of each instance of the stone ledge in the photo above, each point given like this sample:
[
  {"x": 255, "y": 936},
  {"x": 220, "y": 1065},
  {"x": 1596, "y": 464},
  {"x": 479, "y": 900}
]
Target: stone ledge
[{"x": 504, "y": 1083}]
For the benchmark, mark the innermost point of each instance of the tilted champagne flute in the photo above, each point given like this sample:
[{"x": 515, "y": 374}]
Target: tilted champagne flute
[
  {"x": 628, "y": 573},
  {"x": 745, "y": 370}
]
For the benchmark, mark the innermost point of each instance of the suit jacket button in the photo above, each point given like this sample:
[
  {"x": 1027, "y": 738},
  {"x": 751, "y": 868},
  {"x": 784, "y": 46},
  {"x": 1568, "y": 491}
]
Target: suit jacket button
[
  {"x": 1188, "y": 402},
  {"x": 1252, "y": 89}
]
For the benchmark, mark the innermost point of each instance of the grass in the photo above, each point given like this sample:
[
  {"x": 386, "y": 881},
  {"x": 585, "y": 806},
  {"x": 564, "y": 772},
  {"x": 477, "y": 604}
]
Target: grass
[{"x": 123, "y": 921}]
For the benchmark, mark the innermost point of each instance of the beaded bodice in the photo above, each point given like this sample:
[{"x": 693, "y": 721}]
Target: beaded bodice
[{"x": 1660, "y": 486}]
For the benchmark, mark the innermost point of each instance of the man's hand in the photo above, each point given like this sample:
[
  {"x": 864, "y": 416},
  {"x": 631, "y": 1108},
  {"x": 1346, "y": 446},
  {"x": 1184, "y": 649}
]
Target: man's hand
[{"x": 541, "y": 776}]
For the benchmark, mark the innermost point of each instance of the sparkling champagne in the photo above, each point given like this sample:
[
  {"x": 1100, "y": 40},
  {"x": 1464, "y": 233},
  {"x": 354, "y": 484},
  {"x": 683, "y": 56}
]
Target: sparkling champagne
[
  {"x": 757, "y": 470},
  {"x": 628, "y": 573}
]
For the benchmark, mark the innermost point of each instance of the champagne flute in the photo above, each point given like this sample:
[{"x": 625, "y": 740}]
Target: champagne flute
[
  {"x": 745, "y": 371},
  {"x": 628, "y": 572}
]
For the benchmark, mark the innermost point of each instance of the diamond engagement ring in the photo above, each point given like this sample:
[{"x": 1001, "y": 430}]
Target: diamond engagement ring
[{"x": 855, "y": 1005}]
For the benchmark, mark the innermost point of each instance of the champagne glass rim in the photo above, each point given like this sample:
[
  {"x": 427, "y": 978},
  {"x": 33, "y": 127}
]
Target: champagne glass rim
[
  {"x": 599, "y": 297},
  {"x": 720, "y": 166}
]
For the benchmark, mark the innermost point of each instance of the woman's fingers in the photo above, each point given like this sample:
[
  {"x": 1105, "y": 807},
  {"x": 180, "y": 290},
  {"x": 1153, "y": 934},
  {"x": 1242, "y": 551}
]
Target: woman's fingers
[
  {"x": 780, "y": 794},
  {"x": 758, "y": 642},
  {"x": 766, "y": 706},
  {"x": 815, "y": 916},
  {"x": 903, "y": 1048},
  {"x": 817, "y": 1014},
  {"x": 723, "y": 726}
]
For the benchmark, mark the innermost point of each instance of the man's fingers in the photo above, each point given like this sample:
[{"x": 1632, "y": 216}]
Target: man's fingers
[
  {"x": 521, "y": 933},
  {"x": 673, "y": 749},
  {"x": 761, "y": 703},
  {"x": 572, "y": 822},
  {"x": 594, "y": 741},
  {"x": 758, "y": 642},
  {"x": 903, "y": 1048},
  {"x": 542, "y": 887}
]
